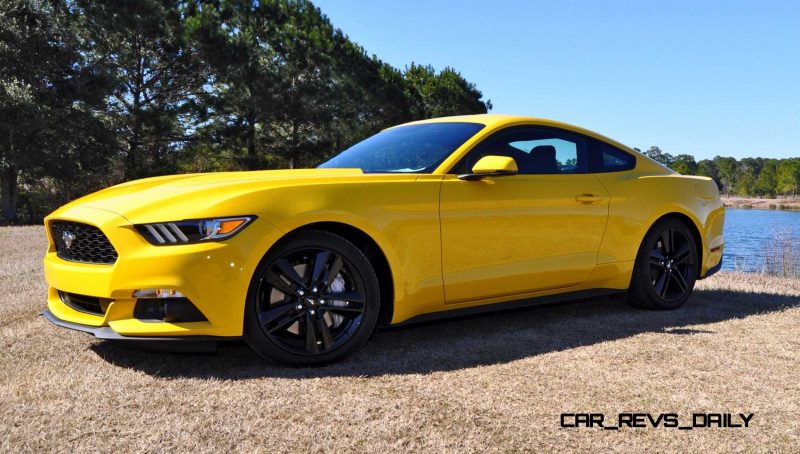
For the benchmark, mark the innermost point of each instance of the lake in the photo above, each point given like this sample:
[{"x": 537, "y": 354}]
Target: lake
[{"x": 747, "y": 231}]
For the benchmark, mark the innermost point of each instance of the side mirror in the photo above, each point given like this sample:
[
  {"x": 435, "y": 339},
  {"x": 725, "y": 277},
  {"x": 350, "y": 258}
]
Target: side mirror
[{"x": 491, "y": 166}]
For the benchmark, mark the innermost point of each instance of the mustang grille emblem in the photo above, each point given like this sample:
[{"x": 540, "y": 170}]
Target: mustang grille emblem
[{"x": 68, "y": 238}]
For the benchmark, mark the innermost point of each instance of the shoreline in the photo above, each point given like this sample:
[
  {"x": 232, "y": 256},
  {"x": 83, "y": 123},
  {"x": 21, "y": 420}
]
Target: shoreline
[{"x": 761, "y": 204}]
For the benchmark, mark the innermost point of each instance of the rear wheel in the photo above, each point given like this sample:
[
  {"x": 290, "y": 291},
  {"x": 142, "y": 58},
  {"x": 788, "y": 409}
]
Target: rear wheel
[
  {"x": 666, "y": 267},
  {"x": 313, "y": 300}
]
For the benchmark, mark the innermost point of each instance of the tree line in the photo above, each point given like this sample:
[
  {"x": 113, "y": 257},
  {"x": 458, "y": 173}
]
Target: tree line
[
  {"x": 93, "y": 93},
  {"x": 747, "y": 177}
]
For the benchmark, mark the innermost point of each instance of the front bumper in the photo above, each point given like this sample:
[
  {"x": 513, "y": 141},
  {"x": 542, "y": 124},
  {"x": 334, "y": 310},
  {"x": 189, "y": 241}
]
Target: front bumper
[
  {"x": 186, "y": 343},
  {"x": 214, "y": 276}
]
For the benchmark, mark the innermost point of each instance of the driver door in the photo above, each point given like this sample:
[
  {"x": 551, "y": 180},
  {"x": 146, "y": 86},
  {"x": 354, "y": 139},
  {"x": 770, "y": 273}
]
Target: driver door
[{"x": 534, "y": 231}]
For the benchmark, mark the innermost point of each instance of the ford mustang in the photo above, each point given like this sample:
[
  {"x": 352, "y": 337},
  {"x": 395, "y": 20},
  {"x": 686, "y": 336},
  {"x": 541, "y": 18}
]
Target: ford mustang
[{"x": 427, "y": 219}]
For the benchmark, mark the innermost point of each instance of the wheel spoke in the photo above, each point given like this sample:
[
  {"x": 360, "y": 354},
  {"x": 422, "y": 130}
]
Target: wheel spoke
[
  {"x": 656, "y": 254},
  {"x": 277, "y": 282},
  {"x": 672, "y": 241},
  {"x": 666, "y": 241},
  {"x": 288, "y": 271},
  {"x": 680, "y": 280},
  {"x": 661, "y": 284},
  {"x": 327, "y": 338},
  {"x": 353, "y": 297},
  {"x": 319, "y": 266},
  {"x": 349, "y": 311},
  {"x": 265, "y": 296},
  {"x": 336, "y": 267},
  {"x": 279, "y": 317},
  {"x": 269, "y": 315},
  {"x": 682, "y": 254},
  {"x": 284, "y": 322},
  {"x": 311, "y": 335}
]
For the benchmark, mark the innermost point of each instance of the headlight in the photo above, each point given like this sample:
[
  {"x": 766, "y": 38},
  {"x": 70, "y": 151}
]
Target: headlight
[{"x": 193, "y": 231}]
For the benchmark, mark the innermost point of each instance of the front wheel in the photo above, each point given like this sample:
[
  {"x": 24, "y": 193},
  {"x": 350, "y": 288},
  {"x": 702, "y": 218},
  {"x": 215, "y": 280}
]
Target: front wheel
[
  {"x": 313, "y": 300},
  {"x": 666, "y": 267}
]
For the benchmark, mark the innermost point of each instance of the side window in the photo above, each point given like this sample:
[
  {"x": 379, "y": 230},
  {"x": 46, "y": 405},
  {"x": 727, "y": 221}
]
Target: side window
[
  {"x": 606, "y": 158},
  {"x": 535, "y": 150}
]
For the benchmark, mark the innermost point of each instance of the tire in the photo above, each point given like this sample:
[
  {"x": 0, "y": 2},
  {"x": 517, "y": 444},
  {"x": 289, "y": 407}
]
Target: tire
[
  {"x": 313, "y": 279},
  {"x": 666, "y": 267}
]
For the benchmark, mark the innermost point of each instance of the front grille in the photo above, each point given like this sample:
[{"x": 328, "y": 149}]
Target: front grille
[
  {"x": 83, "y": 303},
  {"x": 83, "y": 243}
]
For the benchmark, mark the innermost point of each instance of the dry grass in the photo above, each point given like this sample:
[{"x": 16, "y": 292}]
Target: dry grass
[
  {"x": 493, "y": 383},
  {"x": 782, "y": 255},
  {"x": 792, "y": 204}
]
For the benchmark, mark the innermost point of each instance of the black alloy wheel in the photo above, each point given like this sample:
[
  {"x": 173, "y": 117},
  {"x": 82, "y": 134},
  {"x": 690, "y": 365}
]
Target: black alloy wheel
[
  {"x": 671, "y": 264},
  {"x": 666, "y": 267},
  {"x": 313, "y": 300}
]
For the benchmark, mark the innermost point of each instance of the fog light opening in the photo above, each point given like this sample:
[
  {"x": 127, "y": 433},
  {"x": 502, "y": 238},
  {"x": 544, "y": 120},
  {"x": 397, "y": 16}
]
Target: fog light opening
[
  {"x": 172, "y": 309},
  {"x": 158, "y": 293}
]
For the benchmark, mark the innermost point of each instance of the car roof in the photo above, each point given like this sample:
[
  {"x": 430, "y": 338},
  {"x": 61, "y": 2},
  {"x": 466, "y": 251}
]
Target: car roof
[{"x": 496, "y": 121}]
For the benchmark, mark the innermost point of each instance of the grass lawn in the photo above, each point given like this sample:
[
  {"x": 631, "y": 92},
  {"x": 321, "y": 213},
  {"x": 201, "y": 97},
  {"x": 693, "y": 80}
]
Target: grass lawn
[{"x": 493, "y": 383}]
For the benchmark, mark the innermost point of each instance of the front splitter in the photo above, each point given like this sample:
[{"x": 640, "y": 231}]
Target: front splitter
[{"x": 189, "y": 344}]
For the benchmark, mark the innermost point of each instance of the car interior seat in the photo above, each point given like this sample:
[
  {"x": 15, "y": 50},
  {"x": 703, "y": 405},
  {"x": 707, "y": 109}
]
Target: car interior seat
[{"x": 542, "y": 160}]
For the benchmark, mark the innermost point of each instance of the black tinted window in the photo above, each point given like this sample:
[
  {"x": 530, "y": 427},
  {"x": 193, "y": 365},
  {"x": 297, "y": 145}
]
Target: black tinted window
[
  {"x": 535, "y": 150},
  {"x": 606, "y": 158},
  {"x": 406, "y": 149}
]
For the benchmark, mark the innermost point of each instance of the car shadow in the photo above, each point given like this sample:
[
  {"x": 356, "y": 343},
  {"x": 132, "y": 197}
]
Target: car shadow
[{"x": 468, "y": 341}]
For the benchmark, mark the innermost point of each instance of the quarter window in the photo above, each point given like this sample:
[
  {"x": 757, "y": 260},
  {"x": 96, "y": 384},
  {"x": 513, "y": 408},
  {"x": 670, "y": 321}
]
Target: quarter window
[{"x": 606, "y": 158}]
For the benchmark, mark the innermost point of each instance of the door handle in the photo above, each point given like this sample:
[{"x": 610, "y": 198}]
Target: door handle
[{"x": 588, "y": 198}]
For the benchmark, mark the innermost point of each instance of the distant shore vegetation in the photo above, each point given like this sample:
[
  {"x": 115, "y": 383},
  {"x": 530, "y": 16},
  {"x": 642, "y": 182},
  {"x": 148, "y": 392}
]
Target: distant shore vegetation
[
  {"x": 96, "y": 93},
  {"x": 747, "y": 177}
]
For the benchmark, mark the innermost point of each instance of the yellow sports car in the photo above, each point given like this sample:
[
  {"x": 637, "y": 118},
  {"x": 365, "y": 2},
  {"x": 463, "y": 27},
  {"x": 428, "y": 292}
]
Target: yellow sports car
[{"x": 431, "y": 218}]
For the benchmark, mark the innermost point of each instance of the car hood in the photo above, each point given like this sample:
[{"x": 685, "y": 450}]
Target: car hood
[{"x": 181, "y": 196}]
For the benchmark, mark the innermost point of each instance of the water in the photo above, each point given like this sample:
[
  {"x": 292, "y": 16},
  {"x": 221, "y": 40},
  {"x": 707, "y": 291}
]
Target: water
[{"x": 746, "y": 232}]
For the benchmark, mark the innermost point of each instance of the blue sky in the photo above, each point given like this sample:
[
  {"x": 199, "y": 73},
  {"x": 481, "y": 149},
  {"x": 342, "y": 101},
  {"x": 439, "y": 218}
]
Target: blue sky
[{"x": 696, "y": 77}]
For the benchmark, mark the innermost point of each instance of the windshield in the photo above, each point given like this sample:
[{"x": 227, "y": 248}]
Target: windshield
[{"x": 405, "y": 149}]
